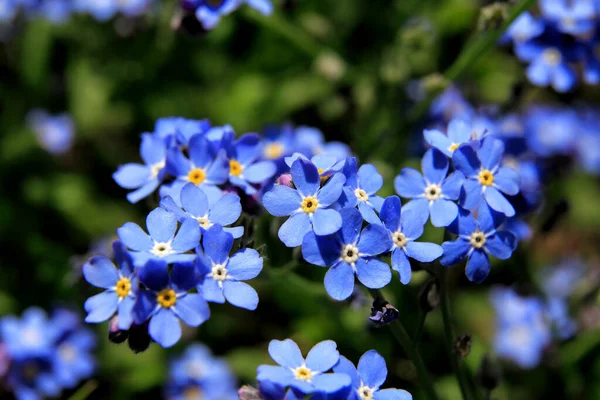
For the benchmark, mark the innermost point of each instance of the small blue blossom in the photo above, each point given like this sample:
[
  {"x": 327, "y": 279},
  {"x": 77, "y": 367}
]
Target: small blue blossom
[
  {"x": 54, "y": 133},
  {"x": 450, "y": 105},
  {"x": 146, "y": 177},
  {"x": 350, "y": 252},
  {"x": 121, "y": 285},
  {"x": 162, "y": 243},
  {"x": 404, "y": 228},
  {"x": 459, "y": 132},
  {"x": 224, "y": 210},
  {"x": 524, "y": 28},
  {"x": 551, "y": 130},
  {"x": 549, "y": 64},
  {"x": 31, "y": 336},
  {"x": 73, "y": 362},
  {"x": 368, "y": 378},
  {"x": 177, "y": 130},
  {"x": 265, "y": 7},
  {"x": 209, "y": 12},
  {"x": 308, "y": 205},
  {"x": 222, "y": 275},
  {"x": 434, "y": 193},
  {"x": 305, "y": 375},
  {"x": 485, "y": 177},
  {"x": 327, "y": 164},
  {"x": 573, "y": 17},
  {"x": 168, "y": 300},
  {"x": 361, "y": 188},
  {"x": 476, "y": 239}
]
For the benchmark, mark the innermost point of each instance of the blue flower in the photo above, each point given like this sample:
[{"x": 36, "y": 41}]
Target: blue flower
[
  {"x": 350, "y": 252},
  {"x": 162, "y": 243},
  {"x": 404, "y": 228},
  {"x": 222, "y": 275},
  {"x": 120, "y": 284},
  {"x": 308, "y": 205},
  {"x": 577, "y": 17},
  {"x": 265, "y": 7},
  {"x": 306, "y": 376},
  {"x": 32, "y": 336},
  {"x": 476, "y": 239},
  {"x": 459, "y": 132},
  {"x": 146, "y": 177},
  {"x": 168, "y": 299},
  {"x": 54, "y": 133},
  {"x": 451, "y": 104},
  {"x": 177, "y": 130},
  {"x": 72, "y": 362},
  {"x": 485, "y": 177},
  {"x": 8, "y": 9},
  {"x": 551, "y": 130},
  {"x": 203, "y": 168},
  {"x": 224, "y": 210},
  {"x": 327, "y": 164},
  {"x": 432, "y": 194},
  {"x": 557, "y": 309},
  {"x": 524, "y": 28},
  {"x": 209, "y": 12},
  {"x": 549, "y": 64},
  {"x": 368, "y": 378},
  {"x": 360, "y": 189}
]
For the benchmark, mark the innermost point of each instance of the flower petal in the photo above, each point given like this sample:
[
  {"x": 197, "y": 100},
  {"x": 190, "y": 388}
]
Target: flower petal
[
  {"x": 501, "y": 245},
  {"x": 134, "y": 237},
  {"x": 211, "y": 291},
  {"x": 424, "y": 252},
  {"x": 345, "y": 366},
  {"x": 305, "y": 177},
  {"x": 152, "y": 149},
  {"x": 331, "y": 383},
  {"x": 507, "y": 180},
  {"x": 293, "y": 230},
  {"x": 170, "y": 205},
  {"x": 125, "y": 309},
  {"x": 466, "y": 161},
  {"x": 320, "y": 250},
  {"x": 478, "y": 266},
  {"x": 326, "y": 221},
  {"x": 452, "y": 185},
  {"x": 401, "y": 264},
  {"x": 339, "y": 281},
  {"x": 281, "y": 201},
  {"x": 286, "y": 353},
  {"x": 227, "y": 210},
  {"x": 245, "y": 264},
  {"x": 459, "y": 131},
  {"x": 490, "y": 153},
  {"x": 183, "y": 276},
  {"x": 188, "y": 236},
  {"x": 155, "y": 275},
  {"x": 373, "y": 273},
  {"x": 217, "y": 244},
  {"x": 240, "y": 294},
  {"x": 443, "y": 212},
  {"x": 132, "y": 176},
  {"x": 374, "y": 240},
  {"x": 194, "y": 200},
  {"x": 368, "y": 213},
  {"x": 260, "y": 171},
  {"x": 164, "y": 328},
  {"x": 161, "y": 224},
  {"x": 192, "y": 309},
  {"x": 471, "y": 193},
  {"x": 369, "y": 179},
  {"x": 100, "y": 272},
  {"x": 332, "y": 190},
  {"x": 351, "y": 225},
  {"x": 372, "y": 369},
  {"x": 392, "y": 394},
  {"x": 498, "y": 202},
  {"x": 454, "y": 252},
  {"x": 323, "y": 356},
  {"x": 409, "y": 183},
  {"x": 390, "y": 213},
  {"x": 435, "y": 166},
  {"x": 438, "y": 140},
  {"x": 101, "y": 307}
]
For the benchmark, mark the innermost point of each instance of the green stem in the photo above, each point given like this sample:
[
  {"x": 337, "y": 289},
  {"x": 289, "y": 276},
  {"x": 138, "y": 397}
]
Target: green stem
[
  {"x": 403, "y": 338},
  {"x": 419, "y": 331},
  {"x": 84, "y": 391}
]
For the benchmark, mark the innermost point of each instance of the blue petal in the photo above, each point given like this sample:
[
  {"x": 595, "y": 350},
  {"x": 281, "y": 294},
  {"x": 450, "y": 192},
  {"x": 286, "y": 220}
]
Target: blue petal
[
  {"x": 347, "y": 198},
  {"x": 409, "y": 183},
  {"x": 134, "y": 237},
  {"x": 286, "y": 353},
  {"x": 349, "y": 170},
  {"x": 490, "y": 153},
  {"x": 331, "y": 383},
  {"x": 305, "y": 177},
  {"x": 435, "y": 166},
  {"x": 281, "y": 201},
  {"x": 339, "y": 281},
  {"x": 369, "y": 179},
  {"x": 372, "y": 369},
  {"x": 323, "y": 356},
  {"x": 245, "y": 264},
  {"x": 459, "y": 131},
  {"x": 170, "y": 205},
  {"x": 145, "y": 304},
  {"x": 368, "y": 213},
  {"x": 538, "y": 73},
  {"x": 237, "y": 231},
  {"x": 438, "y": 140},
  {"x": 125, "y": 309},
  {"x": 489, "y": 219},
  {"x": 501, "y": 245},
  {"x": 443, "y": 212},
  {"x": 392, "y": 394},
  {"x": 188, "y": 236},
  {"x": 260, "y": 171},
  {"x": 240, "y": 295},
  {"x": 155, "y": 275},
  {"x": 320, "y": 250},
  {"x": 452, "y": 185},
  {"x": 563, "y": 78},
  {"x": 401, "y": 264},
  {"x": 164, "y": 328},
  {"x": 208, "y": 19},
  {"x": 152, "y": 149},
  {"x": 100, "y": 272},
  {"x": 265, "y": 7},
  {"x": 143, "y": 192},
  {"x": 326, "y": 221},
  {"x": 390, "y": 213},
  {"x": 478, "y": 266},
  {"x": 218, "y": 171},
  {"x": 414, "y": 216},
  {"x": 345, "y": 366},
  {"x": 471, "y": 193},
  {"x": 351, "y": 225},
  {"x": 247, "y": 148},
  {"x": 374, "y": 240},
  {"x": 183, "y": 277},
  {"x": 454, "y": 252},
  {"x": 194, "y": 200},
  {"x": 373, "y": 273},
  {"x": 424, "y": 252},
  {"x": 132, "y": 176},
  {"x": 293, "y": 230},
  {"x": 101, "y": 307},
  {"x": 507, "y": 180},
  {"x": 465, "y": 160},
  {"x": 199, "y": 149},
  {"x": 332, "y": 190},
  {"x": 324, "y": 161},
  {"x": 498, "y": 202},
  {"x": 271, "y": 373},
  {"x": 179, "y": 258},
  {"x": 161, "y": 224},
  {"x": 211, "y": 291},
  {"x": 217, "y": 244},
  {"x": 192, "y": 309}
]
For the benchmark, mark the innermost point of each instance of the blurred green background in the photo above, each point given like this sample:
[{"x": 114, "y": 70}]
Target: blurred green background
[{"x": 344, "y": 66}]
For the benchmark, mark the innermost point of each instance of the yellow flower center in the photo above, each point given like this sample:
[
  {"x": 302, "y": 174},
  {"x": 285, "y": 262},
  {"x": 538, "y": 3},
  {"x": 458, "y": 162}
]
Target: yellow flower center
[
  {"x": 349, "y": 254},
  {"x": 486, "y": 178},
  {"x": 204, "y": 222},
  {"x": 320, "y": 170},
  {"x": 302, "y": 373},
  {"x": 123, "y": 287},
  {"x": 162, "y": 249},
  {"x": 166, "y": 298},
  {"x": 361, "y": 195},
  {"x": 273, "y": 150},
  {"x": 309, "y": 204},
  {"x": 552, "y": 56},
  {"x": 399, "y": 239},
  {"x": 433, "y": 192},
  {"x": 235, "y": 168},
  {"x": 219, "y": 272},
  {"x": 197, "y": 176},
  {"x": 365, "y": 393},
  {"x": 453, "y": 147},
  {"x": 477, "y": 239}
]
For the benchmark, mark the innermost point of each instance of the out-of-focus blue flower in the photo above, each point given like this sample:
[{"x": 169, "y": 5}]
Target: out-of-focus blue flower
[
  {"x": 587, "y": 145},
  {"x": 451, "y": 105},
  {"x": 551, "y": 131},
  {"x": 224, "y": 210},
  {"x": 168, "y": 300},
  {"x": 162, "y": 243},
  {"x": 144, "y": 178},
  {"x": 485, "y": 177},
  {"x": 558, "y": 312},
  {"x": 177, "y": 130},
  {"x": 198, "y": 374},
  {"x": 54, "y": 133},
  {"x": 459, "y": 132},
  {"x": 55, "y": 11},
  {"x": 361, "y": 188},
  {"x": 305, "y": 375},
  {"x": 524, "y": 28},
  {"x": 404, "y": 228},
  {"x": 574, "y": 17},
  {"x": 476, "y": 239},
  {"x": 31, "y": 336},
  {"x": 265, "y": 7},
  {"x": 562, "y": 279},
  {"x": 350, "y": 252},
  {"x": 209, "y": 12},
  {"x": 368, "y": 378},
  {"x": 308, "y": 205},
  {"x": 222, "y": 275},
  {"x": 121, "y": 285},
  {"x": 433, "y": 194},
  {"x": 519, "y": 228},
  {"x": 549, "y": 64},
  {"x": 107, "y": 9},
  {"x": 591, "y": 59},
  {"x": 8, "y": 10},
  {"x": 278, "y": 142}
]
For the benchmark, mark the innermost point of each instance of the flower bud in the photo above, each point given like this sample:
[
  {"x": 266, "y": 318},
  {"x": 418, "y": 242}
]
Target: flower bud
[
  {"x": 139, "y": 339},
  {"x": 492, "y": 16},
  {"x": 116, "y": 335},
  {"x": 285, "y": 179},
  {"x": 382, "y": 312},
  {"x": 462, "y": 346},
  {"x": 247, "y": 392},
  {"x": 429, "y": 296}
]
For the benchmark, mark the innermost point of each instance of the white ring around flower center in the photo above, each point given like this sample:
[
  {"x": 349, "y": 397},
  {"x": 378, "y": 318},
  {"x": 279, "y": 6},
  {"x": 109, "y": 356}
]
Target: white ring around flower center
[
  {"x": 204, "y": 222},
  {"x": 218, "y": 272},
  {"x": 155, "y": 169},
  {"x": 361, "y": 195},
  {"x": 477, "y": 239},
  {"x": 365, "y": 392},
  {"x": 399, "y": 239},
  {"x": 552, "y": 56},
  {"x": 303, "y": 373},
  {"x": 162, "y": 249},
  {"x": 433, "y": 192},
  {"x": 349, "y": 254}
]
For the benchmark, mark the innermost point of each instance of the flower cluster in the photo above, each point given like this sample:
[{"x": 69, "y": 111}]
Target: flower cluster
[
  {"x": 210, "y": 12},
  {"x": 197, "y": 374},
  {"x": 296, "y": 376},
  {"x": 41, "y": 356},
  {"x": 54, "y": 132},
  {"x": 558, "y": 42}
]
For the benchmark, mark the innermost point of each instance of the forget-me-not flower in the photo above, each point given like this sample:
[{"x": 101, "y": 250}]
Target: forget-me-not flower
[
  {"x": 459, "y": 132},
  {"x": 209, "y": 12},
  {"x": 361, "y": 188},
  {"x": 55, "y": 133},
  {"x": 549, "y": 64}
]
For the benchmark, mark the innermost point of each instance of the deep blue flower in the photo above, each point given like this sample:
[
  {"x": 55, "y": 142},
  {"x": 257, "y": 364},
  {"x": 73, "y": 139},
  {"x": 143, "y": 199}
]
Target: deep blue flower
[
  {"x": 361, "y": 188},
  {"x": 434, "y": 193},
  {"x": 573, "y": 17},
  {"x": 222, "y": 275},
  {"x": 476, "y": 239},
  {"x": 224, "y": 210},
  {"x": 459, "y": 132},
  {"x": 121, "y": 285},
  {"x": 306, "y": 376},
  {"x": 55, "y": 133},
  {"x": 591, "y": 59},
  {"x": 146, "y": 177},
  {"x": 485, "y": 177},
  {"x": 168, "y": 299},
  {"x": 350, "y": 252},
  {"x": 162, "y": 243},
  {"x": 209, "y": 12},
  {"x": 549, "y": 64},
  {"x": 524, "y": 28},
  {"x": 308, "y": 205},
  {"x": 368, "y": 378},
  {"x": 404, "y": 227}
]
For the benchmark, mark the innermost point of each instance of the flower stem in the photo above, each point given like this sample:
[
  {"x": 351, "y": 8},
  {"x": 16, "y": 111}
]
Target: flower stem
[
  {"x": 419, "y": 331},
  {"x": 84, "y": 391},
  {"x": 403, "y": 338}
]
